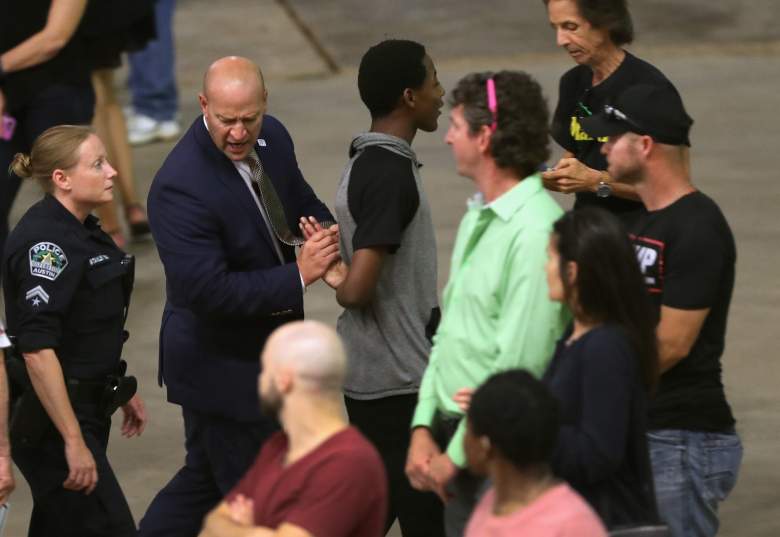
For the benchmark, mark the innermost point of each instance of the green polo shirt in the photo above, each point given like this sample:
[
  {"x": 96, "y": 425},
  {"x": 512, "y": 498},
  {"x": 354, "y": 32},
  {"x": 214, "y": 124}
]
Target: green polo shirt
[{"x": 497, "y": 314}]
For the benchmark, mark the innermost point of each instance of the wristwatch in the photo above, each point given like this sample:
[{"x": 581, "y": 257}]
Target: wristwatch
[{"x": 603, "y": 190}]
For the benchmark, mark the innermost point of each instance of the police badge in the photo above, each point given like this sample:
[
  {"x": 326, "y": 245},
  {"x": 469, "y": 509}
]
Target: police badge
[{"x": 47, "y": 260}]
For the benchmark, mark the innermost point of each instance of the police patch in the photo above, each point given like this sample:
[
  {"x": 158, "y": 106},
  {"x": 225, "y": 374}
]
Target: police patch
[{"x": 47, "y": 260}]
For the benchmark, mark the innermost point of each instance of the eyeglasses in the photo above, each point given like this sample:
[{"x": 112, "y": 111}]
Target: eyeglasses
[
  {"x": 492, "y": 102},
  {"x": 613, "y": 113}
]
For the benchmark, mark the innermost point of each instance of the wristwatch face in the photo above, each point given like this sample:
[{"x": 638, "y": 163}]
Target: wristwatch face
[{"x": 603, "y": 190}]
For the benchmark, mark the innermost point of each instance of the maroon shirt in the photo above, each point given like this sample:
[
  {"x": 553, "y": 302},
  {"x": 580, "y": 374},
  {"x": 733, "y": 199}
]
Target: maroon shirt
[{"x": 337, "y": 490}]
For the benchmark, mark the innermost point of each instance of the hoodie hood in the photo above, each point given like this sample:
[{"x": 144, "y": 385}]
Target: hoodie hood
[{"x": 391, "y": 143}]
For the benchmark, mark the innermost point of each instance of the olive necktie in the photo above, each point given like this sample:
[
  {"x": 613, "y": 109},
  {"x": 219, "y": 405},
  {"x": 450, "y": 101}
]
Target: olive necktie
[{"x": 265, "y": 190}]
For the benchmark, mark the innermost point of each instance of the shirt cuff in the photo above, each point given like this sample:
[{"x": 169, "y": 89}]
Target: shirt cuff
[
  {"x": 424, "y": 413},
  {"x": 455, "y": 449},
  {"x": 303, "y": 285}
]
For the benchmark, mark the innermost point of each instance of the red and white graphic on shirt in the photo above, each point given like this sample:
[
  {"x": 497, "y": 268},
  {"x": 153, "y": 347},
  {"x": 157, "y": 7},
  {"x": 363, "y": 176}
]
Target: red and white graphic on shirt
[{"x": 650, "y": 255}]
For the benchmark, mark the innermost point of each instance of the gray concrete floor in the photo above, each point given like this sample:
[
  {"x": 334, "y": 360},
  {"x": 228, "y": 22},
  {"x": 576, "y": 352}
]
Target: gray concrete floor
[{"x": 723, "y": 56}]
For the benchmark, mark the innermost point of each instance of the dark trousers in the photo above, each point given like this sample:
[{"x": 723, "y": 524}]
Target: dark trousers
[
  {"x": 465, "y": 489},
  {"x": 219, "y": 452},
  {"x": 56, "y": 105},
  {"x": 67, "y": 513},
  {"x": 385, "y": 422}
]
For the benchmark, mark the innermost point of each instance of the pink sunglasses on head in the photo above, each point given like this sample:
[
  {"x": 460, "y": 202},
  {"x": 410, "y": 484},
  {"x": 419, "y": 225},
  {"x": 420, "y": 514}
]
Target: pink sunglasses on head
[{"x": 492, "y": 103}]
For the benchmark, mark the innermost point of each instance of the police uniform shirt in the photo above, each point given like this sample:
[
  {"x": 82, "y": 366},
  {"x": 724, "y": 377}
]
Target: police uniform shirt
[{"x": 64, "y": 289}]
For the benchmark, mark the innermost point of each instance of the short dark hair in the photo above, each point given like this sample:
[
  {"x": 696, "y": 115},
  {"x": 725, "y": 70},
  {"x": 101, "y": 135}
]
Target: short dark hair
[
  {"x": 611, "y": 15},
  {"x": 521, "y": 139},
  {"x": 519, "y": 416},
  {"x": 386, "y": 70},
  {"x": 609, "y": 287}
]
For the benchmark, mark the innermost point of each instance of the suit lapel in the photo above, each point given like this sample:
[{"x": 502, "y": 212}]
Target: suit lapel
[{"x": 229, "y": 176}]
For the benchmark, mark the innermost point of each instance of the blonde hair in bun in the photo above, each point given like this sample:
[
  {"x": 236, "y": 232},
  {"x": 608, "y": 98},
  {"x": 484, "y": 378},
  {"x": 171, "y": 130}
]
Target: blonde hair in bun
[
  {"x": 21, "y": 166},
  {"x": 56, "y": 149}
]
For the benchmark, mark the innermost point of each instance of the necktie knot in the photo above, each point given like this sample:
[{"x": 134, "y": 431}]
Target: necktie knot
[{"x": 254, "y": 164}]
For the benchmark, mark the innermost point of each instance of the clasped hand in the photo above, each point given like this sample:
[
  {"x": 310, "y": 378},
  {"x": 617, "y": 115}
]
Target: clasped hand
[
  {"x": 335, "y": 271},
  {"x": 427, "y": 467}
]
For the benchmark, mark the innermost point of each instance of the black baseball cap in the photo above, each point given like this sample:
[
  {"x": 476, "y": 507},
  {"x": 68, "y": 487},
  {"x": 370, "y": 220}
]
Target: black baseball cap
[{"x": 654, "y": 110}]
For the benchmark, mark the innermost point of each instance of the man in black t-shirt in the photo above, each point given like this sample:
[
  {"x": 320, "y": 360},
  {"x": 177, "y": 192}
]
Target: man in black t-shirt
[{"x": 686, "y": 251}]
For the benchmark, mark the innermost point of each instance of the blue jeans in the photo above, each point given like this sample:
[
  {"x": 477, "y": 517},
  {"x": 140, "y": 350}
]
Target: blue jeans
[
  {"x": 693, "y": 472},
  {"x": 152, "y": 79}
]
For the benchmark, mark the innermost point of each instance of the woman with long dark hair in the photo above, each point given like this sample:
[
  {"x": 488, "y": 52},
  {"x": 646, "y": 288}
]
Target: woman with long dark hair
[{"x": 604, "y": 367}]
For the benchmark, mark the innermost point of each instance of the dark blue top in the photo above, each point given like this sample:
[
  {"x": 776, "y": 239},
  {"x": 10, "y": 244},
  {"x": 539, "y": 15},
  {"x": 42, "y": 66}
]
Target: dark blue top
[{"x": 602, "y": 448}]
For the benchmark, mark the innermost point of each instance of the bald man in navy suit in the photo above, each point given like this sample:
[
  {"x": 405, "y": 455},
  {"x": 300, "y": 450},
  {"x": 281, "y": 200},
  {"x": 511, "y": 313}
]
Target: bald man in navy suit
[{"x": 230, "y": 281}]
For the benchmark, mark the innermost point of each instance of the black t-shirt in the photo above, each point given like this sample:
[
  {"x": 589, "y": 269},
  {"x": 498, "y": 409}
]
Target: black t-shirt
[
  {"x": 687, "y": 255},
  {"x": 18, "y": 21},
  {"x": 382, "y": 198},
  {"x": 578, "y": 98}
]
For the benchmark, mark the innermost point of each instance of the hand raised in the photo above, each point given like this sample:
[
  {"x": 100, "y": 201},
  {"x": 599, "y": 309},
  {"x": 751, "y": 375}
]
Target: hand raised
[
  {"x": 309, "y": 226},
  {"x": 317, "y": 254},
  {"x": 336, "y": 274}
]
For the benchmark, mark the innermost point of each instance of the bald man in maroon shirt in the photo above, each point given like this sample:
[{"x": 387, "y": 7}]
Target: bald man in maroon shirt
[{"x": 318, "y": 477}]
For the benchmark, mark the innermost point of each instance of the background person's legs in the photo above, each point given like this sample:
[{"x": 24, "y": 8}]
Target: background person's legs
[
  {"x": 219, "y": 452},
  {"x": 152, "y": 82},
  {"x": 111, "y": 128}
]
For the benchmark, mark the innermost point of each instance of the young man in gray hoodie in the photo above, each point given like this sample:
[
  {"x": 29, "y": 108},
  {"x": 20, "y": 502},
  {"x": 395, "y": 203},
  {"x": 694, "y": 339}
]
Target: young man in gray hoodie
[{"x": 387, "y": 279}]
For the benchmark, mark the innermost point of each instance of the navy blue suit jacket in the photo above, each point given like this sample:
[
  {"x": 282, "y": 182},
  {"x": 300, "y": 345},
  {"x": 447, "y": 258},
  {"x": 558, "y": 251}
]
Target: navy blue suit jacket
[{"x": 226, "y": 288}]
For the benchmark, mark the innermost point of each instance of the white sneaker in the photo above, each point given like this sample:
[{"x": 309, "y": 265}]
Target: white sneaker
[{"x": 142, "y": 129}]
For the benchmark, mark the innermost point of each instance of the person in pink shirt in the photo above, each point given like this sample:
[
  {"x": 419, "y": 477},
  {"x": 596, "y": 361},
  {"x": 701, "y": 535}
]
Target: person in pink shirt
[{"x": 511, "y": 429}]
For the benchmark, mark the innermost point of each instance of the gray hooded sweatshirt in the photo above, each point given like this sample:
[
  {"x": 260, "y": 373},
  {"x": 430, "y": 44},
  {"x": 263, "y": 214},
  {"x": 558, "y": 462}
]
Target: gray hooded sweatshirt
[{"x": 387, "y": 341}]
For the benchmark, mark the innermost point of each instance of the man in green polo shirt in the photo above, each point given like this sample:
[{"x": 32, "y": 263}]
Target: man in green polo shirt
[{"x": 497, "y": 314}]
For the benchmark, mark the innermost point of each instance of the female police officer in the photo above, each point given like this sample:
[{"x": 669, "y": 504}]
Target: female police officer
[{"x": 66, "y": 293}]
